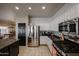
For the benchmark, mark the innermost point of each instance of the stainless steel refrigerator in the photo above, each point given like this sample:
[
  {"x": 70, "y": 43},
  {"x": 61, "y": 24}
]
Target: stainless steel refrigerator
[{"x": 34, "y": 35}]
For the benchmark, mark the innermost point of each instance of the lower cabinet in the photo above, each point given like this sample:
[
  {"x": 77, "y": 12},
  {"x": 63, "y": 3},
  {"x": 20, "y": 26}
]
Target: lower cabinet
[
  {"x": 14, "y": 49},
  {"x": 54, "y": 52},
  {"x": 4, "y": 52},
  {"x": 11, "y": 50}
]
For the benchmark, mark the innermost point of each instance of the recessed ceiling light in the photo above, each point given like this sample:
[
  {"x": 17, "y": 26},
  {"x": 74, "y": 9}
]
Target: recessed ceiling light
[
  {"x": 43, "y": 7},
  {"x": 16, "y": 7},
  {"x": 29, "y": 8}
]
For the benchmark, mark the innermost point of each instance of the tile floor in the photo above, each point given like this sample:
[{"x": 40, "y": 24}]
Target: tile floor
[{"x": 34, "y": 51}]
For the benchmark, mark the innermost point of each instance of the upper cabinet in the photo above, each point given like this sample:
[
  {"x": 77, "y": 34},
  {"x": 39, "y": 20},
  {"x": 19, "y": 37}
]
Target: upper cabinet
[{"x": 70, "y": 26}]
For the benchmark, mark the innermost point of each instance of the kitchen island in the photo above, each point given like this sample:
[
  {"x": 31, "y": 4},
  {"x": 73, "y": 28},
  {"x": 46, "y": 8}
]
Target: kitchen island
[{"x": 9, "y": 47}]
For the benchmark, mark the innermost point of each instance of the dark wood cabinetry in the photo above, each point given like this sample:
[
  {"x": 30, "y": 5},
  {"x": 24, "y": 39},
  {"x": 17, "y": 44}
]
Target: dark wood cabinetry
[
  {"x": 4, "y": 52},
  {"x": 14, "y": 49}
]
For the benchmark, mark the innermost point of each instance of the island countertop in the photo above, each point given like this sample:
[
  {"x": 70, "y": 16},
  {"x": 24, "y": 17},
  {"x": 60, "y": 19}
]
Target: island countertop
[{"x": 6, "y": 42}]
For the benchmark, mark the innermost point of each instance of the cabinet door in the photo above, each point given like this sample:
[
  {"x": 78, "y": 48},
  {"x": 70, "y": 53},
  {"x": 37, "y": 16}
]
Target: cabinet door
[
  {"x": 4, "y": 52},
  {"x": 14, "y": 49},
  {"x": 54, "y": 52}
]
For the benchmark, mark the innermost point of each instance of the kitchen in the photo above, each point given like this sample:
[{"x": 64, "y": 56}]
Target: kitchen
[{"x": 46, "y": 29}]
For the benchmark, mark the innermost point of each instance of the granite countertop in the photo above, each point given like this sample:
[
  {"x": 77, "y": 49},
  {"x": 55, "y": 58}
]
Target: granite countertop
[
  {"x": 6, "y": 42},
  {"x": 76, "y": 41},
  {"x": 70, "y": 39}
]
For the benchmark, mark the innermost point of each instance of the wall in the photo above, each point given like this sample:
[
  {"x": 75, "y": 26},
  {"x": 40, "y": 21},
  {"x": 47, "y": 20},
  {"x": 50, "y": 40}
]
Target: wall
[
  {"x": 67, "y": 12},
  {"x": 42, "y": 22}
]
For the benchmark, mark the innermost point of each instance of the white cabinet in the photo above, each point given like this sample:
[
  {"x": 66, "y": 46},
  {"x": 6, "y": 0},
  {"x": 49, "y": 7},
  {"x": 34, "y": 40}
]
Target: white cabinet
[
  {"x": 46, "y": 41},
  {"x": 42, "y": 40},
  {"x": 49, "y": 44}
]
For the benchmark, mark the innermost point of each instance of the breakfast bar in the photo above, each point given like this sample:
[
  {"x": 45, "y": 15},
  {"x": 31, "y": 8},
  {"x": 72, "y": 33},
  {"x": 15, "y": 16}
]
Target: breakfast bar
[{"x": 9, "y": 47}]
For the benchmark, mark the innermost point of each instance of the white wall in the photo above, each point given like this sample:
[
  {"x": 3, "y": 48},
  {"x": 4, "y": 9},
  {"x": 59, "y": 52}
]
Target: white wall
[
  {"x": 42, "y": 22},
  {"x": 67, "y": 12}
]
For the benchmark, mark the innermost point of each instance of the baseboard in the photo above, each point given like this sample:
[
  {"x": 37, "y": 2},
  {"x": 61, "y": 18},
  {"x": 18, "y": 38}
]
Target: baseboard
[
  {"x": 33, "y": 46},
  {"x": 43, "y": 44}
]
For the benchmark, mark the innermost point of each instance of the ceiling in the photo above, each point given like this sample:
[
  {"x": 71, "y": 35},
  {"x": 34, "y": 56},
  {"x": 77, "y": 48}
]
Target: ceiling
[{"x": 36, "y": 11}]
